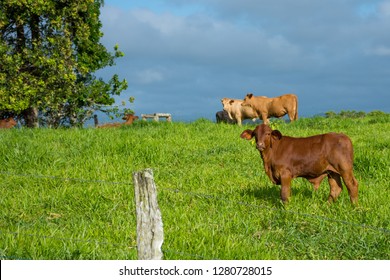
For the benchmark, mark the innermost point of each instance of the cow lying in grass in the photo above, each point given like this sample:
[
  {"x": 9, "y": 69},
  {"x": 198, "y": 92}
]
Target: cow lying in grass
[
  {"x": 129, "y": 119},
  {"x": 8, "y": 123},
  {"x": 312, "y": 158}
]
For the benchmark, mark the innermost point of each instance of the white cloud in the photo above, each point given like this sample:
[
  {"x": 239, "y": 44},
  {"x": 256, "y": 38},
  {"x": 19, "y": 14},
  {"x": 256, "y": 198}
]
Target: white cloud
[
  {"x": 380, "y": 51},
  {"x": 384, "y": 9},
  {"x": 148, "y": 76},
  {"x": 197, "y": 39},
  {"x": 165, "y": 23}
]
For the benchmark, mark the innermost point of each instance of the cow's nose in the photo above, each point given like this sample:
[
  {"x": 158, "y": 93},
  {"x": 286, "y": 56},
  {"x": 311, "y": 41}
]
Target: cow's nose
[{"x": 260, "y": 146}]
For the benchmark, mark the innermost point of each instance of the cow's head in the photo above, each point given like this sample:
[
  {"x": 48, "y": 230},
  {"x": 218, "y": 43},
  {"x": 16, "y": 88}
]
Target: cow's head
[
  {"x": 264, "y": 136},
  {"x": 247, "y": 100},
  {"x": 11, "y": 121},
  {"x": 226, "y": 102},
  {"x": 129, "y": 118}
]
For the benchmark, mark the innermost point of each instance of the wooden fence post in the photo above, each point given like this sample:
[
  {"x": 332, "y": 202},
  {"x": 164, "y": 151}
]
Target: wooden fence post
[
  {"x": 95, "y": 120},
  {"x": 150, "y": 236}
]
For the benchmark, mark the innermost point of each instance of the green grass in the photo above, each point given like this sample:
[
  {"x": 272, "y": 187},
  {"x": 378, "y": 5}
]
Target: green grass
[{"x": 68, "y": 194}]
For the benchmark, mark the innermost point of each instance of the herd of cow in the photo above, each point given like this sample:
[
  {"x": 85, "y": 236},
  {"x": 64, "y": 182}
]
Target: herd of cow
[
  {"x": 258, "y": 107},
  {"x": 284, "y": 158}
]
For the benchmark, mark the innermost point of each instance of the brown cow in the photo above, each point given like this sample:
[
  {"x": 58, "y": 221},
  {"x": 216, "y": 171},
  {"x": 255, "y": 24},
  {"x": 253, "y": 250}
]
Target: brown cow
[
  {"x": 312, "y": 158},
  {"x": 8, "y": 123},
  {"x": 130, "y": 118},
  {"x": 277, "y": 107},
  {"x": 237, "y": 112}
]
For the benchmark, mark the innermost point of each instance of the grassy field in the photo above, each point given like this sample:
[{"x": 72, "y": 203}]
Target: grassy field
[{"x": 68, "y": 194}]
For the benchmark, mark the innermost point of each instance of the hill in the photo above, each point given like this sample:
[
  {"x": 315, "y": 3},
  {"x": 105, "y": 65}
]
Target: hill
[{"x": 68, "y": 194}]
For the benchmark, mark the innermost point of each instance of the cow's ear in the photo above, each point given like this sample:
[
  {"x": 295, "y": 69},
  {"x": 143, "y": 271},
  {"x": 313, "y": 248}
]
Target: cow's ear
[
  {"x": 247, "y": 134},
  {"x": 276, "y": 134},
  {"x": 249, "y": 95},
  {"x": 231, "y": 101}
]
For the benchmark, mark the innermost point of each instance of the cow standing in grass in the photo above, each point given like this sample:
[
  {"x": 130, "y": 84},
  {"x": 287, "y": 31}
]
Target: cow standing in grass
[
  {"x": 313, "y": 158},
  {"x": 223, "y": 117},
  {"x": 237, "y": 112},
  {"x": 266, "y": 107}
]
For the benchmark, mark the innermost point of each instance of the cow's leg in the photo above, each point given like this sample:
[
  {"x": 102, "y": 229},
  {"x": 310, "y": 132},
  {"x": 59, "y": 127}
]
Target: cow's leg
[
  {"x": 265, "y": 118},
  {"x": 352, "y": 185},
  {"x": 285, "y": 191},
  {"x": 217, "y": 118},
  {"x": 290, "y": 116},
  {"x": 335, "y": 186},
  {"x": 317, "y": 181}
]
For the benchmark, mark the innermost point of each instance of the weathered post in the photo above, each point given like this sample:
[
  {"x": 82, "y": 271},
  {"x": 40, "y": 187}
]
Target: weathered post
[
  {"x": 150, "y": 236},
  {"x": 96, "y": 120}
]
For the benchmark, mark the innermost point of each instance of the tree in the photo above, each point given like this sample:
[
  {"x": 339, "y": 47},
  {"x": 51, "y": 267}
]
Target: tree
[{"x": 49, "y": 52}]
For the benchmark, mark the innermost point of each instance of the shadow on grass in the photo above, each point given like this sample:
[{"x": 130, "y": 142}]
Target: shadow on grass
[
  {"x": 268, "y": 193},
  {"x": 271, "y": 193}
]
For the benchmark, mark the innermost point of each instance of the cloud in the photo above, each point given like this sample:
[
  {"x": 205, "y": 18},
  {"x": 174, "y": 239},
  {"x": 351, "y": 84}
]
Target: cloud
[
  {"x": 384, "y": 9},
  {"x": 380, "y": 51},
  {"x": 184, "y": 57},
  {"x": 148, "y": 76},
  {"x": 198, "y": 40}
]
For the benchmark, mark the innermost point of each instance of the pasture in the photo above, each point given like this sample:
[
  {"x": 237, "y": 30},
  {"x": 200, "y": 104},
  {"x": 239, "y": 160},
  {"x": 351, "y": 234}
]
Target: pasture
[{"x": 68, "y": 194}]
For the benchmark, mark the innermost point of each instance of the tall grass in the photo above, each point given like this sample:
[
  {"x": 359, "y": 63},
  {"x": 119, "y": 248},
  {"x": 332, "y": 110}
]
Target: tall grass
[{"x": 67, "y": 194}]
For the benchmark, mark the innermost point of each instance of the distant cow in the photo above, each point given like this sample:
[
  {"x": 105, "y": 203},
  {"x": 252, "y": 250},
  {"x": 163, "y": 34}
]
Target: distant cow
[
  {"x": 273, "y": 107},
  {"x": 237, "y": 112},
  {"x": 312, "y": 158},
  {"x": 8, "y": 123},
  {"x": 130, "y": 118},
  {"x": 223, "y": 117}
]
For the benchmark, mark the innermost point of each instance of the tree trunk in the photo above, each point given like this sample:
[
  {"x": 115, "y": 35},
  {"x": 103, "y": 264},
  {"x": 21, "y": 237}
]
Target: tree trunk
[{"x": 30, "y": 116}]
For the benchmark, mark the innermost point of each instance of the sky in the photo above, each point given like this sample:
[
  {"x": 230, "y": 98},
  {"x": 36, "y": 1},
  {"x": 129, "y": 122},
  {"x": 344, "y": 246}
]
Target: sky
[{"x": 183, "y": 57}]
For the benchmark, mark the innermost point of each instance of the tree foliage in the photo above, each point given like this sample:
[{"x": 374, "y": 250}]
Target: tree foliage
[{"x": 49, "y": 52}]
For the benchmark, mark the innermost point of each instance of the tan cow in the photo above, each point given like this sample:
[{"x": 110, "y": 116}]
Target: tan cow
[
  {"x": 237, "y": 112},
  {"x": 273, "y": 107},
  {"x": 8, "y": 123}
]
